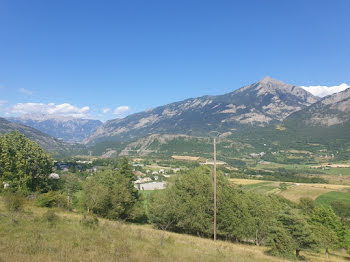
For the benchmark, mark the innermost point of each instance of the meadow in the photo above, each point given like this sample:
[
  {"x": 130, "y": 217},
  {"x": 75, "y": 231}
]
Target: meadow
[{"x": 36, "y": 235}]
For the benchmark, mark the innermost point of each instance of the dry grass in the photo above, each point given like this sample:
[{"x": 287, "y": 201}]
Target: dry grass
[
  {"x": 332, "y": 165},
  {"x": 297, "y": 190},
  {"x": 188, "y": 158},
  {"x": 27, "y": 237},
  {"x": 241, "y": 181},
  {"x": 294, "y": 193},
  {"x": 294, "y": 151}
]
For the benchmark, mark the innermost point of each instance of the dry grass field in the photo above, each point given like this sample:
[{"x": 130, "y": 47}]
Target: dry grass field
[
  {"x": 241, "y": 181},
  {"x": 28, "y": 236},
  {"x": 188, "y": 158}
]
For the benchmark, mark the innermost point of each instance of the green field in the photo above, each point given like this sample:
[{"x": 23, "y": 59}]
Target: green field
[
  {"x": 327, "y": 198},
  {"x": 262, "y": 188}
]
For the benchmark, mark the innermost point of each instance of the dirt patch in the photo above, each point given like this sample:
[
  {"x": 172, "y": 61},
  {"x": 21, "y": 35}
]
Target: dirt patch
[{"x": 188, "y": 158}]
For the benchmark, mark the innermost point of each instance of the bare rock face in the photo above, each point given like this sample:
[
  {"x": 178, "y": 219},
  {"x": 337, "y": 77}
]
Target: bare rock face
[
  {"x": 259, "y": 104},
  {"x": 331, "y": 110}
]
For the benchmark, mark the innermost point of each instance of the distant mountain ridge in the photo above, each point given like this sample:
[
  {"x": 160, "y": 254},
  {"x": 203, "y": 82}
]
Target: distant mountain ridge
[
  {"x": 329, "y": 111},
  {"x": 258, "y": 104},
  {"x": 68, "y": 129},
  {"x": 45, "y": 141}
]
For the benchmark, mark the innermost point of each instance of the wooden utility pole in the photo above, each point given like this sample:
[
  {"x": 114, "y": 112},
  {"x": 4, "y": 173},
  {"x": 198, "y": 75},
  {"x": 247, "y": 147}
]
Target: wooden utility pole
[{"x": 214, "y": 189}]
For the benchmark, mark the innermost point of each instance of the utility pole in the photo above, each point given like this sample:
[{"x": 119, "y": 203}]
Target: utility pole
[{"x": 214, "y": 189}]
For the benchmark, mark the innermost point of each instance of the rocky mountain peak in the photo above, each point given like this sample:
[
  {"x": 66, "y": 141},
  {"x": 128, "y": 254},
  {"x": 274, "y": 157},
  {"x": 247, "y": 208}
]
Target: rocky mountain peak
[
  {"x": 258, "y": 104},
  {"x": 270, "y": 80}
]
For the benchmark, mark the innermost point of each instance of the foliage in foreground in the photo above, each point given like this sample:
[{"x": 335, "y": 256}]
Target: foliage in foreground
[
  {"x": 111, "y": 194},
  {"x": 23, "y": 164},
  {"x": 186, "y": 206}
]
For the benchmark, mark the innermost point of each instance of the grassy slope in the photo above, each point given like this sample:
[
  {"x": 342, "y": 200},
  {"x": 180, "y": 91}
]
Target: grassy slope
[
  {"x": 27, "y": 237},
  {"x": 326, "y": 199}
]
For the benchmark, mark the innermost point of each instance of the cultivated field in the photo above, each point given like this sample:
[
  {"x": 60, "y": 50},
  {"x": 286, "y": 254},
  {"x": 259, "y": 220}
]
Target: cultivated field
[{"x": 294, "y": 191}]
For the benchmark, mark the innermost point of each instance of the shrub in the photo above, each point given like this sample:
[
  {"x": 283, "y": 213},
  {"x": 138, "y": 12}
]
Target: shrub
[
  {"x": 14, "y": 201},
  {"x": 52, "y": 199},
  {"x": 89, "y": 221},
  {"x": 50, "y": 217}
]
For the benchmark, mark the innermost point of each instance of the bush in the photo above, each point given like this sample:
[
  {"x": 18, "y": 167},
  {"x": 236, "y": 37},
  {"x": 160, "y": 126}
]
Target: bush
[
  {"x": 50, "y": 217},
  {"x": 52, "y": 199},
  {"x": 281, "y": 243},
  {"x": 89, "y": 221},
  {"x": 14, "y": 201}
]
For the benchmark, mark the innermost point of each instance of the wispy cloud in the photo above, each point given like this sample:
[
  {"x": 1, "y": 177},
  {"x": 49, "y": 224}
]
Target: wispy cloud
[
  {"x": 121, "y": 110},
  {"x": 3, "y": 102},
  {"x": 322, "y": 91},
  {"x": 26, "y": 91},
  {"x": 106, "y": 110},
  {"x": 64, "y": 109}
]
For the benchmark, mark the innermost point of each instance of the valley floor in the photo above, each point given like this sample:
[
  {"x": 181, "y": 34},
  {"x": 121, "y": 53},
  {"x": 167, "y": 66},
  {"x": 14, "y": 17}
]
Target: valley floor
[{"x": 28, "y": 236}]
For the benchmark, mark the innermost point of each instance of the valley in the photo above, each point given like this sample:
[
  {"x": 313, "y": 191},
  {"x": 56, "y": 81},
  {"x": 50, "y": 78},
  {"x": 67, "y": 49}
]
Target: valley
[{"x": 148, "y": 177}]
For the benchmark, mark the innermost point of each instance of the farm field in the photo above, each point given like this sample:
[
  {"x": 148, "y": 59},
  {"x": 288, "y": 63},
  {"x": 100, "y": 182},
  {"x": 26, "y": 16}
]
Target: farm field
[
  {"x": 327, "y": 198},
  {"x": 30, "y": 236},
  {"x": 294, "y": 191}
]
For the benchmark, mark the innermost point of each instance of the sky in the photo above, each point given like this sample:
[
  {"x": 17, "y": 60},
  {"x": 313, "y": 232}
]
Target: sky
[{"x": 108, "y": 59}]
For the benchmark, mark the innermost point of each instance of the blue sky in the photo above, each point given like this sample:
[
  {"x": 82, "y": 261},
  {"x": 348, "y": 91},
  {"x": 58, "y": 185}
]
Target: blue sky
[{"x": 83, "y": 57}]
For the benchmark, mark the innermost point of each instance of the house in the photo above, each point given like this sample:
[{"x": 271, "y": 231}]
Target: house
[
  {"x": 161, "y": 171},
  {"x": 54, "y": 176},
  {"x": 155, "y": 173}
]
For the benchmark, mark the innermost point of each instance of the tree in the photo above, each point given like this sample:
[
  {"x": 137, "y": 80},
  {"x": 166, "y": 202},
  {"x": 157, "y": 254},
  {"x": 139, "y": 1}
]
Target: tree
[
  {"x": 23, "y": 164},
  {"x": 299, "y": 230},
  {"x": 331, "y": 223},
  {"x": 326, "y": 237},
  {"x": 263, "y": 211},
  {"x": 111, "y": 194},
  {"x": 234, "y": 219},
  {"x": 307, "y": 205},
  {"x": 342, "y": 209},
  {"x": 281, "y": 242},
  {"x": 186, "y": 206}
]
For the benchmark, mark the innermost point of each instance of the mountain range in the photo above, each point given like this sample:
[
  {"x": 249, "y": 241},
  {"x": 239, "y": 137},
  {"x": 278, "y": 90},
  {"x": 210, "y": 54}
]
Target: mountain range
[
  {"x": 47, "y": 142},
  {"x": 68, "y": 129},
  {"x": 267, "y": 101},
  {"x": 266, "y": 112}
]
